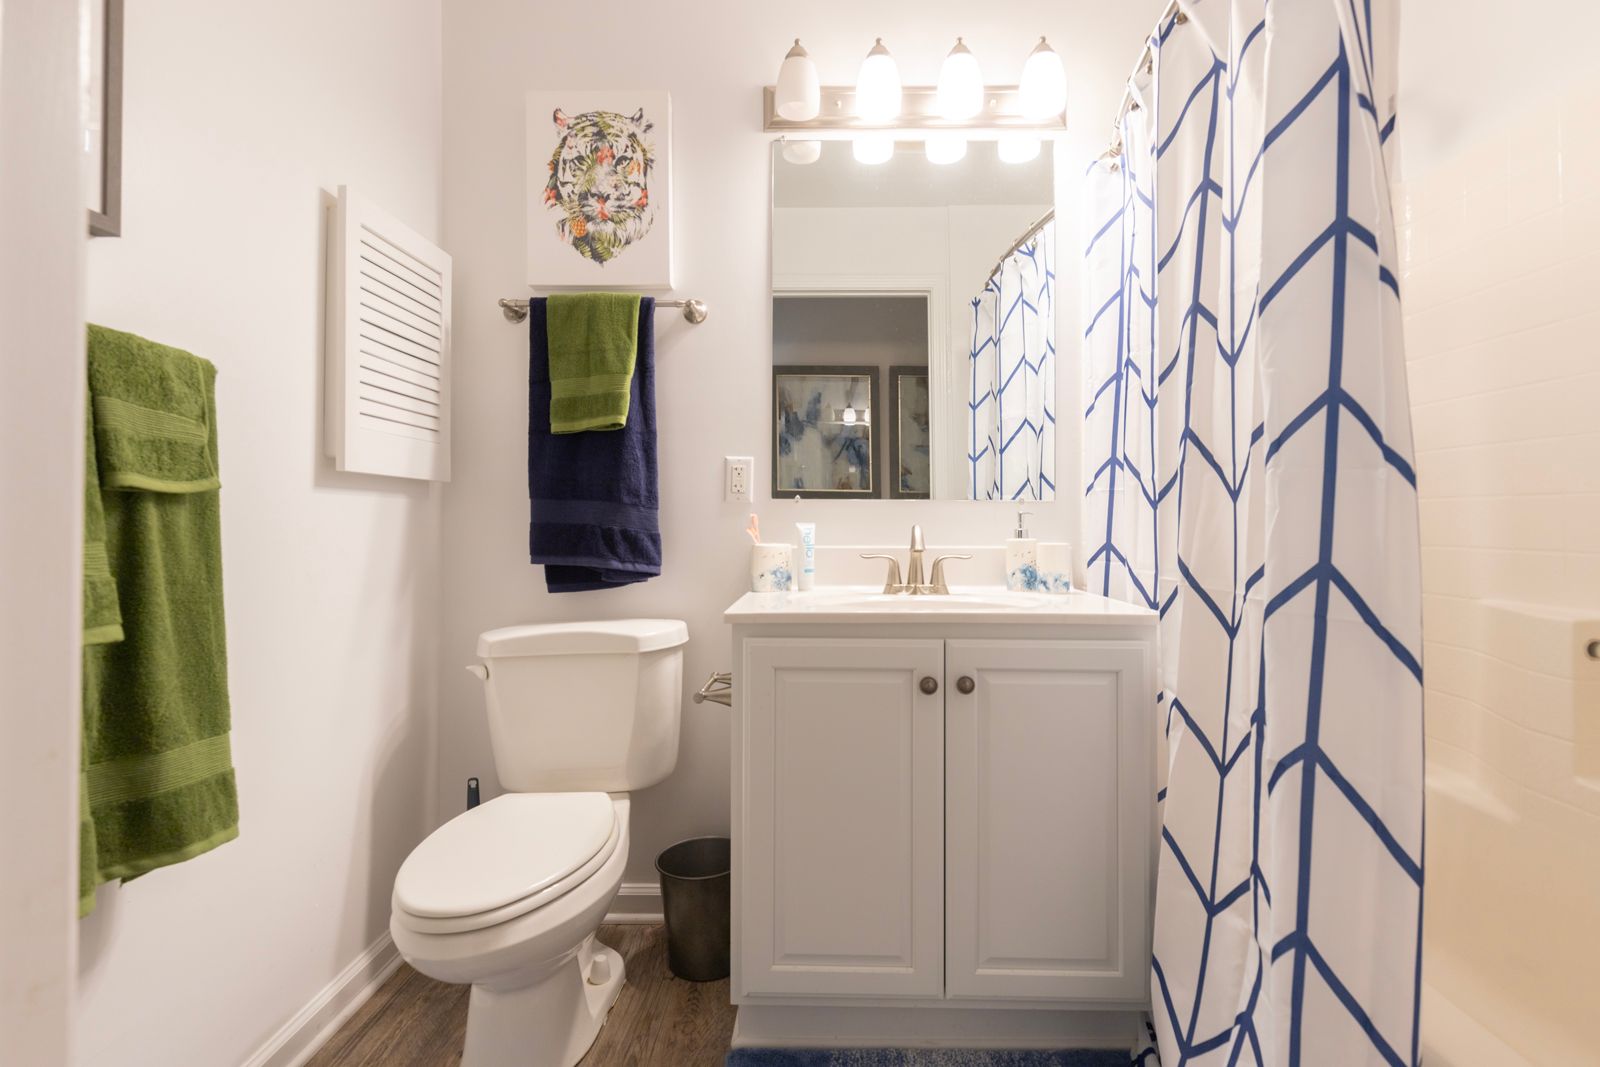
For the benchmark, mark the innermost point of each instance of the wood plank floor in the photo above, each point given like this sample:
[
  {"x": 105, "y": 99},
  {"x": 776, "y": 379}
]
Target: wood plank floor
[{"x": 658, "y": 1020}]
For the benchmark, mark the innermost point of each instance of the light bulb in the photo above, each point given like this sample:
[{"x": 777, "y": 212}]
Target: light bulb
[
  {"x": 960, "y": 84},
  {"x": 1044, "y": 83},
  {"x": 802, "y": 153},
  {"x": 945, "y": 148},
  {"x": 849, "y": 416},
  {"x": 1015, "y": 148},
  {"x": 798, "y": 96},
  {"x": 872, "y": 150},
  {"x": 878, "y": 86}
]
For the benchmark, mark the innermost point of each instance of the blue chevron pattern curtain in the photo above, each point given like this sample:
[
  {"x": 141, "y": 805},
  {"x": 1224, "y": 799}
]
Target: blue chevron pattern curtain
[
  {"x": 1012, "y": 433},
  {"x": 1249, "y": 474}
]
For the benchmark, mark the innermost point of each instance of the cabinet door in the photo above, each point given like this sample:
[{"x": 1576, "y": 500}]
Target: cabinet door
[
  {"x": 1048, "y": 812},
  {"x": 841, "y": 858}
]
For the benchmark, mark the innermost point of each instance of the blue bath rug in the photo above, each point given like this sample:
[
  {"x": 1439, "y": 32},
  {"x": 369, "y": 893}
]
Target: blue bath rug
[{"x": 933, "y": 1057}]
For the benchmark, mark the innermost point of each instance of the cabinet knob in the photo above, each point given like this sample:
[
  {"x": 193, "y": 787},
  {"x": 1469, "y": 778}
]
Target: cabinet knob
[
  {"x": 930, "y": 685},
  {"x": 965, "y": 684}
]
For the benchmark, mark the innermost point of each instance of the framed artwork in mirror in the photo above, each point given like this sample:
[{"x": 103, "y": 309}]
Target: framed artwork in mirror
[
  {"x": 910, "y": 454},
  {"x": 822, "y": 437},
  {"x": 103, "y": 132}
]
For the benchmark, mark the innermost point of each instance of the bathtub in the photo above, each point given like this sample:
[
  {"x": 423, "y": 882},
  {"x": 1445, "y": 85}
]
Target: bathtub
[
  {"x": 1511, "y": 936},
  {"x": 1511, "y": 908}
]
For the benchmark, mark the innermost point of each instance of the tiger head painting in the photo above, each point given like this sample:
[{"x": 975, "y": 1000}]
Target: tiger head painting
[{"x": 600, "y": 181}]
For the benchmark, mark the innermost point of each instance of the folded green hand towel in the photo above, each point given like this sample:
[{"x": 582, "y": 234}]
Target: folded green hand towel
[
  {"x": 593, "y": 340},
  {"x": 158, "y": 780}
]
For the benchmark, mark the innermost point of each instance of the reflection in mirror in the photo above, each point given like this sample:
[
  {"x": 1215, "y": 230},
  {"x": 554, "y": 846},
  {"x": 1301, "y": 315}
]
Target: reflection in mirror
[{"x": 913, "y": 325}]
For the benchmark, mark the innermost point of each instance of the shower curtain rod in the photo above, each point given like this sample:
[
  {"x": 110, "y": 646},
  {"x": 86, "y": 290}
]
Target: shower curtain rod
[
  {"x": 1144, "y": 64},
  {"x": 1027, "y": 235}
]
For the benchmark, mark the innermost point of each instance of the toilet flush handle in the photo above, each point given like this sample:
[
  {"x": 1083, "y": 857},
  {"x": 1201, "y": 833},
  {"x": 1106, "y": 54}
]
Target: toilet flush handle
[{"x": 480, "y": 670}]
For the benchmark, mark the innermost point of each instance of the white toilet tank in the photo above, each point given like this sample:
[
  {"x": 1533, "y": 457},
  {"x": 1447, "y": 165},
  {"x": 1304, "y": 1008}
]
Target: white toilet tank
[{"x": 579, "y": 706}]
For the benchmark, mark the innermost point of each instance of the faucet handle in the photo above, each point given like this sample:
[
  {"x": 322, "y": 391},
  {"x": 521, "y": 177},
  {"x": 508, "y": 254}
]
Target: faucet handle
[
  {"x": 937, "y": 579},
  {"x": 892, "y": 583}
]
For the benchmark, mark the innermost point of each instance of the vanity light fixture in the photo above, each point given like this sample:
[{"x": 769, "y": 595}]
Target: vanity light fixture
[
  {"x": 802, "y": 153},
  {"x": 878, "y": 86},
  {"x": 872, "y": 149},
  {"x": 799, "y": 92},
  {"x": 1044, "y": 83},
  {"x": 879, "y": 103},
  {"x": 945, "y": 148},
  {"x": 1015, "y": 148},
  {"x": 960, "y": 84}
]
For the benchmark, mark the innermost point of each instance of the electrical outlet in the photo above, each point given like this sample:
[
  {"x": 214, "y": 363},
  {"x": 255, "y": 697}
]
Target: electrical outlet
[{"x": 736, "y": 477}]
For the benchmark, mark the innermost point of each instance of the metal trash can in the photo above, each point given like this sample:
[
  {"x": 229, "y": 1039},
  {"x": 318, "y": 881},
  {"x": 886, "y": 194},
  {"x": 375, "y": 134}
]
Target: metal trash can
[{"x": 695, "y": 885}]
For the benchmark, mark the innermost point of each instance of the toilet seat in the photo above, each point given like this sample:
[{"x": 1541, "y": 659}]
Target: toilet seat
[{"x": 503, "y": 859}]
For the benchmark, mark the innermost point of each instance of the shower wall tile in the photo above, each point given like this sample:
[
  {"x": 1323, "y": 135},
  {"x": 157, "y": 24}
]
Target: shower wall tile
[{"x": 1500, "y": 253}]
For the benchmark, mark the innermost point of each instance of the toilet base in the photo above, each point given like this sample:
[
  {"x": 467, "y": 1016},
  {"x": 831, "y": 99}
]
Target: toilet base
[{"x": 550, "y": 1023}]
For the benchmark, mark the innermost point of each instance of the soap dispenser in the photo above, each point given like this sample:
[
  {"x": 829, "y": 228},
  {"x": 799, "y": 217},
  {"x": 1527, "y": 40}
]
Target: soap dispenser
[{"x": 1022, "y": 556}]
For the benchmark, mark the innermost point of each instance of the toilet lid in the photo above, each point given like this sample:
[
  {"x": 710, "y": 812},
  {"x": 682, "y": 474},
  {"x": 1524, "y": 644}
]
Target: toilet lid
[{"x": 503, "y": 851}]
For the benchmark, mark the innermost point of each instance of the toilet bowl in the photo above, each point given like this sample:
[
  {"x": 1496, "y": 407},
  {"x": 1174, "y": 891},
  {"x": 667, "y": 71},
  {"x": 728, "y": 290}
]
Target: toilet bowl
[
  {"x": 508, "y": 897},
  {"x": 541, "y": 981}
]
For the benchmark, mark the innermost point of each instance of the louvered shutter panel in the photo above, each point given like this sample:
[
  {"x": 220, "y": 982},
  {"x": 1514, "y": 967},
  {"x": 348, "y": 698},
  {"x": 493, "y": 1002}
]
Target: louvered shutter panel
[{"x": 388, "y": 350}]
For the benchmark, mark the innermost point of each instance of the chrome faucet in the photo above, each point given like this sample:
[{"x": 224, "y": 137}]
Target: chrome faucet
[{"x": 915, "y": 584}]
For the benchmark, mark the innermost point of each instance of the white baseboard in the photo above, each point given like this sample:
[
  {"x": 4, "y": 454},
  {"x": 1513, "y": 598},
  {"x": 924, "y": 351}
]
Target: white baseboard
[
  {"x": 637, "y": 902},
  {"x": 299, "y": 1038}
]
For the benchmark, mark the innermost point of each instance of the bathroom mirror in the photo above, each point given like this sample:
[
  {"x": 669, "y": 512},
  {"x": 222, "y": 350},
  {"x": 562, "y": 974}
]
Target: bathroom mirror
[{"x": 913, "y": 320}]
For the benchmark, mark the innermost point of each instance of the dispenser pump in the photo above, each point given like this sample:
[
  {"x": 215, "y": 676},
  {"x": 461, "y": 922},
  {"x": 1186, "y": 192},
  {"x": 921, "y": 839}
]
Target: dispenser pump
[{"x": 1022, "y": 524}]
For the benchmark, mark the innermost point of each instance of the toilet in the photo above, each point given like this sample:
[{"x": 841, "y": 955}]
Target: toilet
[{"x": 508, "y": 896}]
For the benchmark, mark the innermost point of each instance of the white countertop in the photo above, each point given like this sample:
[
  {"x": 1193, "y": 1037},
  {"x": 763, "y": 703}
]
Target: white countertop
[{"x": 965, "y": 604}]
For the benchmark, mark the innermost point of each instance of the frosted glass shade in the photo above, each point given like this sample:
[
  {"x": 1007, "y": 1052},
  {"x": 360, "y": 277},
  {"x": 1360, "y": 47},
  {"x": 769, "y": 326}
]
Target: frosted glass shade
[
  {"x": 1044, "y": 83},
  {"x": 960, "y": 84},
  {"x": 944, "y": 148},
  {"x": 798, "y": 96},
  {"x": 878, "y": 86},
  {"x": 802, "y": 153},
  {"x": 1014, "y": 148},
  {"x": 872, "y": 150}
]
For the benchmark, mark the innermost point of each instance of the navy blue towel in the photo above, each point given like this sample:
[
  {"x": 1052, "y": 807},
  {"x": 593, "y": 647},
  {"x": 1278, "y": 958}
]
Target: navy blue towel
[{"x": 594, "y": 495}]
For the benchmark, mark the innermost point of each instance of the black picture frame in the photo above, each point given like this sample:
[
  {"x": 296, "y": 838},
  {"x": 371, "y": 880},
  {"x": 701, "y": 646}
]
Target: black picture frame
[
  {"x": 782, "y": 484},
  {"x": 107, "y": 221},
  {"x": 896, "y": 441}
]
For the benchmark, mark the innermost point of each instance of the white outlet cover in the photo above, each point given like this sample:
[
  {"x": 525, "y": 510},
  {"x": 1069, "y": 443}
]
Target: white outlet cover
[{"x": 736, "y": 477}]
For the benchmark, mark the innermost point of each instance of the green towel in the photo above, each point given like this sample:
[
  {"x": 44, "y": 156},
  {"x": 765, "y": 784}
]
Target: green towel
[
  {"x": 593, "y": 340},
  {"x": 158, "y": 781}
]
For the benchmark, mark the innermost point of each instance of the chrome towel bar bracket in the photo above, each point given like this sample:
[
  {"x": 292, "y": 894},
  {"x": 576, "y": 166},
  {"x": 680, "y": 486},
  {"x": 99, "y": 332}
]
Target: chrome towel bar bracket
[{"x": 718, "y": 689}]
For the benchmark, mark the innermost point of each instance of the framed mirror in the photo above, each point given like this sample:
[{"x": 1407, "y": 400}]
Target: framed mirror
[
  {"x": 936, "y": 281},
  {"x": 103, "y": 111}
]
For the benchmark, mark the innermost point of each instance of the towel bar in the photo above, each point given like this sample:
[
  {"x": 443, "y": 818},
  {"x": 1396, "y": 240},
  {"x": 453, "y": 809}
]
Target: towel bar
[
  {"x": 693, "y": 310},
  {"x": 718, "y": 689}
]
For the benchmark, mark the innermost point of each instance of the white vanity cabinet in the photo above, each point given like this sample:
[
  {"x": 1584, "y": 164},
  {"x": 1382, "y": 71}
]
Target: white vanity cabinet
[
  {"x": 944, "y": 814},
  {"x": 842, "y": 849}
]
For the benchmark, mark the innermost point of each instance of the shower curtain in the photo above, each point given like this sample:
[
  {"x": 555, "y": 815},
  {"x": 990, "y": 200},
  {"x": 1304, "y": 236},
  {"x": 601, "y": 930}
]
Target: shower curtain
[
  {"x": 1012, "y": 431},
  {"x": 1247, "y": 448}
]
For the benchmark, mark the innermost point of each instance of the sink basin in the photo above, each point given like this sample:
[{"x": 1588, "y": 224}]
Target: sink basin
[
  {"x": 848, "y": 599},
  {"x": 844, "y": 604}
]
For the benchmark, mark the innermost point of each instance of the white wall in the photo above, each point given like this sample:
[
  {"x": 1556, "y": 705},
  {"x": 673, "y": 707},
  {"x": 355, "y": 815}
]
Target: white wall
[
  {"x": 240, "y": 118},
  {"x": 1466, "y": 65},
  {"x": 1500, "y": 244},
  {"x": 714, "y": 379},
  {"x": 41, "y": 522}
]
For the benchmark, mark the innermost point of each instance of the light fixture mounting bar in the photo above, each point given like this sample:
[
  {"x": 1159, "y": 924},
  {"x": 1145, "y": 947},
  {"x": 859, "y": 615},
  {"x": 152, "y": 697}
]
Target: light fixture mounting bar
[{"x": 919, "y": 110}]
